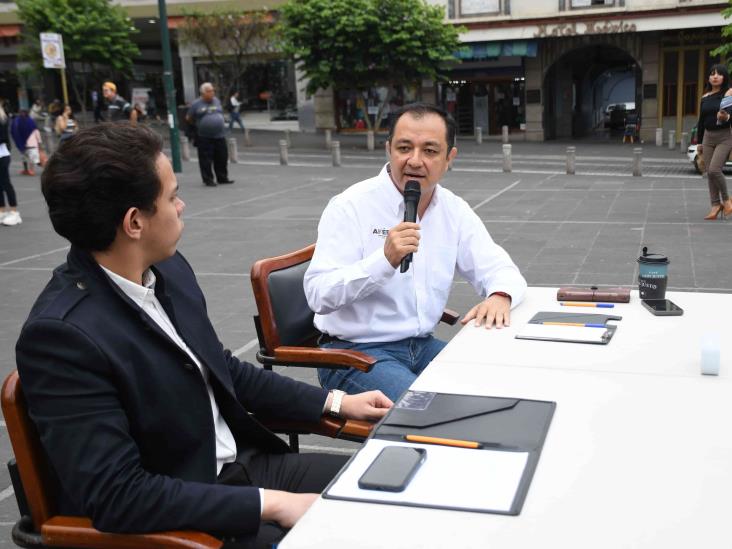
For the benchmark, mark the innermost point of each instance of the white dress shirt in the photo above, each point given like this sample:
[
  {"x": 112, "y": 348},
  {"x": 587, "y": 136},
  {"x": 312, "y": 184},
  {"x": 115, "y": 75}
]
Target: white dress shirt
[
  {"x": 358, "y": 296},
  {"x": 144, "y": 297}
]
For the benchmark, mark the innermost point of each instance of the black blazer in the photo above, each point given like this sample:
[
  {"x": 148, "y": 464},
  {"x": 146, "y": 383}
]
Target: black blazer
[{"x": 124, "y": 414}]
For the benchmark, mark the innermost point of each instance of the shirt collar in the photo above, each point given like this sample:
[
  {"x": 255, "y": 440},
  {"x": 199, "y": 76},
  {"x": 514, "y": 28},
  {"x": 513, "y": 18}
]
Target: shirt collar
[
  {"x": 396, "y": 198},
  {"x": 139, "y": 294}
]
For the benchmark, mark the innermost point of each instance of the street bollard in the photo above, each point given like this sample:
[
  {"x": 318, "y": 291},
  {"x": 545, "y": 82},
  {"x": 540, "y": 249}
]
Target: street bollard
[
  {"x": 479, "y": 134},
  {"x": 659, "y": 137},
  {"x": 185, "y": 148},
  {"x": 336, "y": 149},
  {"x": 507, "y": 158},
  {"x": 370, "y": 140},
  {"x": 287, "y": 138},
  {"x": 683, "y": 142},
  {"x": 233, "y": 151},
  {"x": 247, "y": 138},
  {"x": 283, "y": 152},
  {"x": 571, "y": 160},
  {"x": 671, "y": 139},
  {"x": 504, "y": 134},
  {"x": 637, "y": 162},
  {"x": 328, "y": 139}
]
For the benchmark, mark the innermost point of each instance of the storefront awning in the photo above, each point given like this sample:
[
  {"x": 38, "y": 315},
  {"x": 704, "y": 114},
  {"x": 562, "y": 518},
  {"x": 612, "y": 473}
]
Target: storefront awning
[{"x": 494, "y": 50}]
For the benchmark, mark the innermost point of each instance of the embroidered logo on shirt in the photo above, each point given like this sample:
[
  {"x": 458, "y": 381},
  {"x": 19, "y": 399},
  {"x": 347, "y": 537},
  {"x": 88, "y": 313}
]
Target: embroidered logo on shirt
[{"x": 380, "y": 232}]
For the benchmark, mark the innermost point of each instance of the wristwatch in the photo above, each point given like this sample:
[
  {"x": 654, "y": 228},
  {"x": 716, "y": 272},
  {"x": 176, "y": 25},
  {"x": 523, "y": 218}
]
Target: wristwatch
[{"x": 335, "y": 403}]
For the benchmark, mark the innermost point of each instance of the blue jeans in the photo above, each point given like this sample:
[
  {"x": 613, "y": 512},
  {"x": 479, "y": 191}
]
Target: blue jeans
[
  {"x": 235, "y": 117},
  {"x": 398, "y": 365}
]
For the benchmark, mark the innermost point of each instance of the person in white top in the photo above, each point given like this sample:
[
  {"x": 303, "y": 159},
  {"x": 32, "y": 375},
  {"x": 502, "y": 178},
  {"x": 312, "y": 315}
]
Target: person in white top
[
  {"x": 234, "y": 111},
  {"x": 354, "y": 285}
]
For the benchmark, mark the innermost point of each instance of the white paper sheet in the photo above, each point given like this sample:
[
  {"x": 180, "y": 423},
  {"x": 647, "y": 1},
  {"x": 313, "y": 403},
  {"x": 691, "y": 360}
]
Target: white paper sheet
[{"x": 450, "y": 477}]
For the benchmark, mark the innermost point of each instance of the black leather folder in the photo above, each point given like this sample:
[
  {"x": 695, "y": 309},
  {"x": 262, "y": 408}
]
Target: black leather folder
[{"x": 498, "y": 423}]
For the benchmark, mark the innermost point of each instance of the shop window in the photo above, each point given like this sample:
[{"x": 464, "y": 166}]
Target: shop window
[
  {"x": 691, "y": 81},
  {"x": 670, "y": 79},
  {"x": 470, "y": 8}
]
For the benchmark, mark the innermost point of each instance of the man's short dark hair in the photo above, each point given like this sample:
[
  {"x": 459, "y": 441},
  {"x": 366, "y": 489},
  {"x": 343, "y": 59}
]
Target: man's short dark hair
[
  {"x": 418, "y": 110},
  {"x": 98, "y": 174}
]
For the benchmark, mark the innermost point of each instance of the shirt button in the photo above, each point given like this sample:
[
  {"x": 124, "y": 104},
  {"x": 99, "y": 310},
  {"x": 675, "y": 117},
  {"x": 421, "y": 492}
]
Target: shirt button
[
  {"x": 188, "y": 366},
  {"x": 81, "y": 285}
]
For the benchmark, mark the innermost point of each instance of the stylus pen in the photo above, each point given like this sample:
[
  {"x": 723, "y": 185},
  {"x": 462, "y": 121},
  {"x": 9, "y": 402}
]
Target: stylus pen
[
  {"x": 599, "y": 305},
  {"x": 586, "y": 325},
  {"x": 444, "y": 441}
]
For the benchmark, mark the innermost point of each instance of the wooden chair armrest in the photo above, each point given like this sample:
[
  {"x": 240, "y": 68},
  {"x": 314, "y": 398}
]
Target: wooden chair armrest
[
  {"x": 324, "y": 358},
  {"x": 450, "y": 317},
  {"x": 327, "y": 426},
  {"x": 60, "y": 531}
]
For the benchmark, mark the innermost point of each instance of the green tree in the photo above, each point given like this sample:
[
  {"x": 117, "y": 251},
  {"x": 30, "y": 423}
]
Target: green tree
[
  {"x": 96, "y": 35},
  {"x": 725, "y": 50},
  {"x": 229, "y": 40},
  {"x": 360, "y": 44}
]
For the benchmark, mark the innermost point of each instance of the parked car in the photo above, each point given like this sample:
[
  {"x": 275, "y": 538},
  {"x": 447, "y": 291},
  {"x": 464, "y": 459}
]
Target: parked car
[
  {"x": 615, "y": 113},
  {"x": 694, "y": 158}
]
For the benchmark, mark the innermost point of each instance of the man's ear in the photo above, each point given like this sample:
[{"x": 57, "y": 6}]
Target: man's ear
[
  {"x": 451, "y": 155},
  {"x": 133, "y": 223}
]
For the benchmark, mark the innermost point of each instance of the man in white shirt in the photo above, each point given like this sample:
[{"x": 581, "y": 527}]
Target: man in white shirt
[
  {"x": 145, "y": 417},
  {"x": 362, "y": 301}
]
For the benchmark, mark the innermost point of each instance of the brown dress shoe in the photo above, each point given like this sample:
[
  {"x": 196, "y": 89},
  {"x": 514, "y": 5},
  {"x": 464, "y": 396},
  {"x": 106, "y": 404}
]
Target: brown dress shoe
[{"x": 714, "y": 212}]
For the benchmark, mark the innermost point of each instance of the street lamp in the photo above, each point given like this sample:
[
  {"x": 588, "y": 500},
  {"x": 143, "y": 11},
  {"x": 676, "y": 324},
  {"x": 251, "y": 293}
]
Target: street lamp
[{"x": 169, "y": 87}]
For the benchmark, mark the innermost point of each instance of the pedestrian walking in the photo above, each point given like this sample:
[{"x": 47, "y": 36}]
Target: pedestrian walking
[
  {"x": 21, "y": 129},
  {"x": 65, "y": 124},
  {"x": 9, "y": 216},
  {"x": 235, "y": 111},
  {"x": 713, "y": 132},
  {"x": 118, "y": 108},
  {"x": 208, "y": 116}
]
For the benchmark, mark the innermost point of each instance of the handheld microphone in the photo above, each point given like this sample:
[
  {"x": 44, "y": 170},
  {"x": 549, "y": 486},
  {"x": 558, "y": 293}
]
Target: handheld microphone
[{"x": 412, "y": 193}]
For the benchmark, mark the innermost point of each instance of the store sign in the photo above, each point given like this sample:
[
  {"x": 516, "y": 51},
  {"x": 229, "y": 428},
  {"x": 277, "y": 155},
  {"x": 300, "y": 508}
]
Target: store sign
[
  {"x": 591, "y": 27},
  {"x": 52, "y": 48}
]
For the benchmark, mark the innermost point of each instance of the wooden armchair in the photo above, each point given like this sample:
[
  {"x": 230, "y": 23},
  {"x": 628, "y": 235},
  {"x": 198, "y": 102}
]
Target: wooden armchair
[
  {"x": 41, "y": 526},
  {"x": 287, "y": 336}
]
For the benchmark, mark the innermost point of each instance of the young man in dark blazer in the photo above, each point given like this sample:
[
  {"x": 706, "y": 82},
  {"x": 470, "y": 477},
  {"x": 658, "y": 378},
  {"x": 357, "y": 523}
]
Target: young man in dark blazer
[{"x": 142, "y": 412}]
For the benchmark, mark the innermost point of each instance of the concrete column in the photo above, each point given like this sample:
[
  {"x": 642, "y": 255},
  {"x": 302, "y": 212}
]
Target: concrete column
[
  {"x": 233, "y": 150},
  {"x": 637, "y": 162},
  {"x": 288, "y": 138},
  {"x": 370, "y": 140},
  {"x": 671, "y": 139},
  {"x": 504, "y": 134},
  {"x": 571, "y": 160},
  {"x": 188, "y": 76},
  {"x": 507, "y": 165},
  {"x": 247, "y": 138},
  {"x": 336, "y": 150},
  {"x": 659, "y": 137},
  {"x": 185, "y": 148},
  {"x": 283, "y": 152},
  {"x": 479, "y": 134},
  {"x": 328, "y": 139},
  {"x": 683, "y": 142}
]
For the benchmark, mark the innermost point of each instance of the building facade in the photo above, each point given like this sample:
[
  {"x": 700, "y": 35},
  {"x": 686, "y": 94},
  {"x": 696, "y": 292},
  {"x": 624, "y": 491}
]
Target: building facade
[{"x": 553, "y": 69}]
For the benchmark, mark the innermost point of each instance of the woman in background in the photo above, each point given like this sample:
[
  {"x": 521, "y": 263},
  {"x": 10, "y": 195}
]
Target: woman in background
[
  {"x": 65, "y": 124},
  {"x": 713, "y": 132},
  {"x": 8, "y": 217}
]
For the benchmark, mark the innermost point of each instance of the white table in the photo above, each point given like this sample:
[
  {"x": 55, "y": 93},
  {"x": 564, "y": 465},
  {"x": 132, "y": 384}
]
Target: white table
[
  {"x": 633, "y": 458},
  {"x": 643, "y": 343}
]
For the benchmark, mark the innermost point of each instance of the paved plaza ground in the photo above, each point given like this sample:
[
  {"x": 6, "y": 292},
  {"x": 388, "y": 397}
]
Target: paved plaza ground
[{"x": 559, "y": 229}]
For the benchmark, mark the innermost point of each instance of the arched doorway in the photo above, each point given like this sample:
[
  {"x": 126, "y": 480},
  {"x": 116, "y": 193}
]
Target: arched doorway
[{"x": 583, "y": 88}]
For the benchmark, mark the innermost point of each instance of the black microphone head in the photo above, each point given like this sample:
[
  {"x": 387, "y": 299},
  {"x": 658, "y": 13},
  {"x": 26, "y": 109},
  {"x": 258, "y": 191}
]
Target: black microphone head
[{"x": 412, "y": 190}]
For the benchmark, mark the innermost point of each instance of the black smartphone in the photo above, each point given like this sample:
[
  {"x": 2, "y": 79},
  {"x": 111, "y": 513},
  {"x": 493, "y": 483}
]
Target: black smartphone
[
  {"x": 662, "y": 307},
  {"x": 392, "y": 469}
]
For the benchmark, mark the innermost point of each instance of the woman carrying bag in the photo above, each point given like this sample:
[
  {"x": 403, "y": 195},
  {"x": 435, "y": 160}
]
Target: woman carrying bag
[{"x": 713, "y": 132}]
